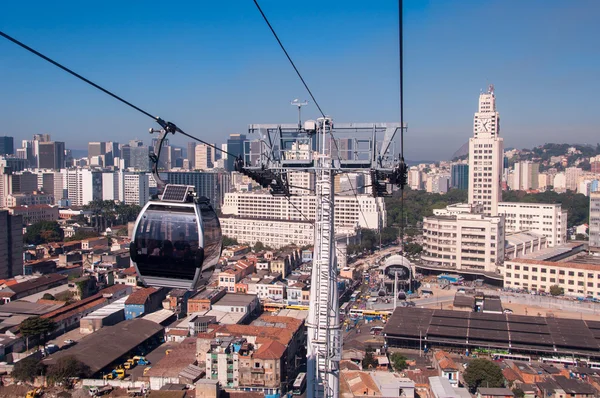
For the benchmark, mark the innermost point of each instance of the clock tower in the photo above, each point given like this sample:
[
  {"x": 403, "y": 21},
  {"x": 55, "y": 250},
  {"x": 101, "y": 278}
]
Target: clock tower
[{"x": 486, "y": 152}]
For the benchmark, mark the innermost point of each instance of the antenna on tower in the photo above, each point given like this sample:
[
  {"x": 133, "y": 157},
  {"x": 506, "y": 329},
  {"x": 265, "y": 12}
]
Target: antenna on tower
[
  {"x": 491, "y": 89},
  {"x": 299, "y": 104}
]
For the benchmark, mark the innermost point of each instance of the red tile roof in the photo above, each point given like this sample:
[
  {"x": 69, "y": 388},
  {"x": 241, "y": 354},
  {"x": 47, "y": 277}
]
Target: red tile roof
[
  {"x": 141, "y": 296},
  {"x": 270, "y": 350}
]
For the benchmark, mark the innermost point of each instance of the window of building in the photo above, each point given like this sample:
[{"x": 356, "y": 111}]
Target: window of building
[{"x": 571, "y": 273}]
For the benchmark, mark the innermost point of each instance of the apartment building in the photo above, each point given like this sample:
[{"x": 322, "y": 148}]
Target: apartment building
[
  {"x": 29, "y": 199},
  {"x": 547, "y": 220},
  {"x": 11, "y": 245}
]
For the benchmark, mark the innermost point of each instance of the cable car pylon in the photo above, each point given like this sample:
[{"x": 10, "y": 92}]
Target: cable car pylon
[{"x": 280, "y": 143}]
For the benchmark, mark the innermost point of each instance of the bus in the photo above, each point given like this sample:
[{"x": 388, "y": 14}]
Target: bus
[
  {"x": 512, "y": 357},
  {"x": 299, "y": 384},
  {"x": 562, "y": 360},
  {"x": 272, "y": 307},
  {"x": 297, "y": 307},
  {"x": 356, "y": 313},
  {"x": 355, "y": 295}
]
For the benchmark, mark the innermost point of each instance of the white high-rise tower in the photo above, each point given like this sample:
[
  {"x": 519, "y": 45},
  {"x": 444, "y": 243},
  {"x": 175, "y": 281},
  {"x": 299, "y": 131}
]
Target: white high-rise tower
[{"x": 486, "y": 150}]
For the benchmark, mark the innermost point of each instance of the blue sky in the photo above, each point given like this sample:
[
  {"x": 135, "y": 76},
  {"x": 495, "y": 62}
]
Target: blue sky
[{"x": 213, "y": 67}]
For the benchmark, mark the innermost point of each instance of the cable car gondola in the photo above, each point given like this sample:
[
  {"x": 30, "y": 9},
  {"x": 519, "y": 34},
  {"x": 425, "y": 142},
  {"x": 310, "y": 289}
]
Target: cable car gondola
[{"x": 177, "y": 240}]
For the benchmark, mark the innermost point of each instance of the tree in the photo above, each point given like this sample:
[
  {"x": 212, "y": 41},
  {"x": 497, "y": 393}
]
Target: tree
[
  {"x": 518, "y": 393},
  {"x": 37, "y": 327},
  {"x": 28, "y": 368},
  {"x": 580, "y": 237},
  {"x": 556, "y": 290},
  {"x": 43, "y": 232},
  {"x": 48, "y": 296},
  {"x": 66, "y": 368},
  {"x": 413, "y": 248},
  {"x": 258, "y": 246},
  {"x": 398, "y": 361},
  {"x": 227, "y": 241},
  {"x": 483, "y": 373},
  {"x": 369, "y": 361}
]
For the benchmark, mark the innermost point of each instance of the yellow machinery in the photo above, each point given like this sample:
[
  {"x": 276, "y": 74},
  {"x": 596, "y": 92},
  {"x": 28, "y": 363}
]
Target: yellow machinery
[
  {"x": 147, "y": 369},
  {"x": 36, "y": 392},
  {"x": 120, "y": 373}
]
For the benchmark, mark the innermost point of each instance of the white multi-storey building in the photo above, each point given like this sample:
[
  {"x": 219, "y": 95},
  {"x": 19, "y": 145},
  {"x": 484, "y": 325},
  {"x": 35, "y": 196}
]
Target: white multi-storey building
[
  {"x": 544, "y": 219},
  {"x": 363, "y": 210},
  {"x": 203, "y": 157},
  {"x": 486, "y": 155},
  {"x": 136, "y": 188},
  {"x": 463, "y": 242},
  {"x": 110, "y": 186},
  {"x": 572, "y": 175},
  {"x": 594, "y": 225},
  {"x": 273, "y": 233},
  {"x": 83, "y": 185}
]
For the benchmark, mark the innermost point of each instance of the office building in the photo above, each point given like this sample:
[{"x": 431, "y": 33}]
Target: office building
[
  {"x": 13, "y": 163},
  {"x": 11, "y": 245},
  {"x": 110, "y": 186},
  {"x": 83, "y": 186},
  {"x": 235, "y": 147},
  {"x": 29, "y": 199},
  {"x": 486, "y": 155},
  {"x": 272, "y": 233},
  {"x": 35, "y": 213},
  {"x": 53, "y": 184},
  {"x": 7, "y": 146},
  {"x": 459, "y": 176},
  {"x": 211, "y": 184},
  {"x": 51, "y": 155},
  {"x": 364, "y": 211},
  {"x": 544, "y": 219},
  {"x": 203, "y": 159},
  {"x": 139, "y": 158},
  {"x": 415, "y": 178},
  {"x": 576, "y": 272},
  {"x": 136, "y": 188},
  {"x": 191, "y": 155},
  {"x": 594, "y": 225},
  {"x": 463, "y": 241},
  {"x": 125, "y": 156}
]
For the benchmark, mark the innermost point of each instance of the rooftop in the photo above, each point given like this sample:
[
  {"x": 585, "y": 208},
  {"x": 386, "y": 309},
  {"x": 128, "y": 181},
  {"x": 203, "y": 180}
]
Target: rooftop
[
  {"x": 102, "y": 348},
  {"x": 236, "y": 299},
  {"x": 496, "y": 392},
  {"x": 140, "y": 296},
  {"x": 270, "y": 350},
  {"x": 27, "y": 308},
  {"x": 176, "y": 362},
  {"x": 36, "y": 283}
]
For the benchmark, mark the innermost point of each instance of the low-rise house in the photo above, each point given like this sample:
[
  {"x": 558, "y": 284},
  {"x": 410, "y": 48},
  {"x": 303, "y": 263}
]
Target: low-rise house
[
  {"x": 500, "y": 392},
  {"x": 203, "y": 300},
  {"x": 144, "y": 301},
  {"x": 446, "y": 366}
]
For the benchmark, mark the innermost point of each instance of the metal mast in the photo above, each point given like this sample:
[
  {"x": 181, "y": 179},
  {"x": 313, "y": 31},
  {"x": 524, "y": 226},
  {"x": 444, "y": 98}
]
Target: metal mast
[
  {"x": 324, "y": 329},
  {"x": 290, "y": 148}
]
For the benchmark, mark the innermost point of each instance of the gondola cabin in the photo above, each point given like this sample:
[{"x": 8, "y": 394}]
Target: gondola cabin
[{"x": 177, "y": 240}]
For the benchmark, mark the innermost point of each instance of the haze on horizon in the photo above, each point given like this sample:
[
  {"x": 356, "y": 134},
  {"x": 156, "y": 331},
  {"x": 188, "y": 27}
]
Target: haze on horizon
[{"x": 214, "y": 68}]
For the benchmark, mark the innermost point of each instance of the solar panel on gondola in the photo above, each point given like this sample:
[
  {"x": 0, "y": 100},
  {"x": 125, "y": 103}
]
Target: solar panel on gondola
[{"x": 176, "y": 193}]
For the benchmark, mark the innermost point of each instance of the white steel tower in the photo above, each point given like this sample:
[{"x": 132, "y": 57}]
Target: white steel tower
[
  {"x": 324, "y": 331},
  {"x": 281, "y": 143}
]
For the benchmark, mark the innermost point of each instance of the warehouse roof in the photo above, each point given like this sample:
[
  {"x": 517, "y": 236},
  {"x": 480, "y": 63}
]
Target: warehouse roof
[{"x": 108, "y": 344}]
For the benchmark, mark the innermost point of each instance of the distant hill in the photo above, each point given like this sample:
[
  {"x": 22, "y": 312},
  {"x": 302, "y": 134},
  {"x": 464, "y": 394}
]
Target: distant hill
[{"x": 462, "y": 152}]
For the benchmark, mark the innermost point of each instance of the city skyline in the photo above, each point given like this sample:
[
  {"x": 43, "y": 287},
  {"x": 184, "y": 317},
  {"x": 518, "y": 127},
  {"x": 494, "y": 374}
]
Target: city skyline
[{"x": 215, "y": 92}]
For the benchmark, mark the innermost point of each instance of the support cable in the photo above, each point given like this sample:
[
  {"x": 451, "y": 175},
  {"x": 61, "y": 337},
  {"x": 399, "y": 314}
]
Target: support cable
[
  {"x": 170, "y": 127},
  {"x": 288, "y": 57},
  {"x": 401, "y": 59}
]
